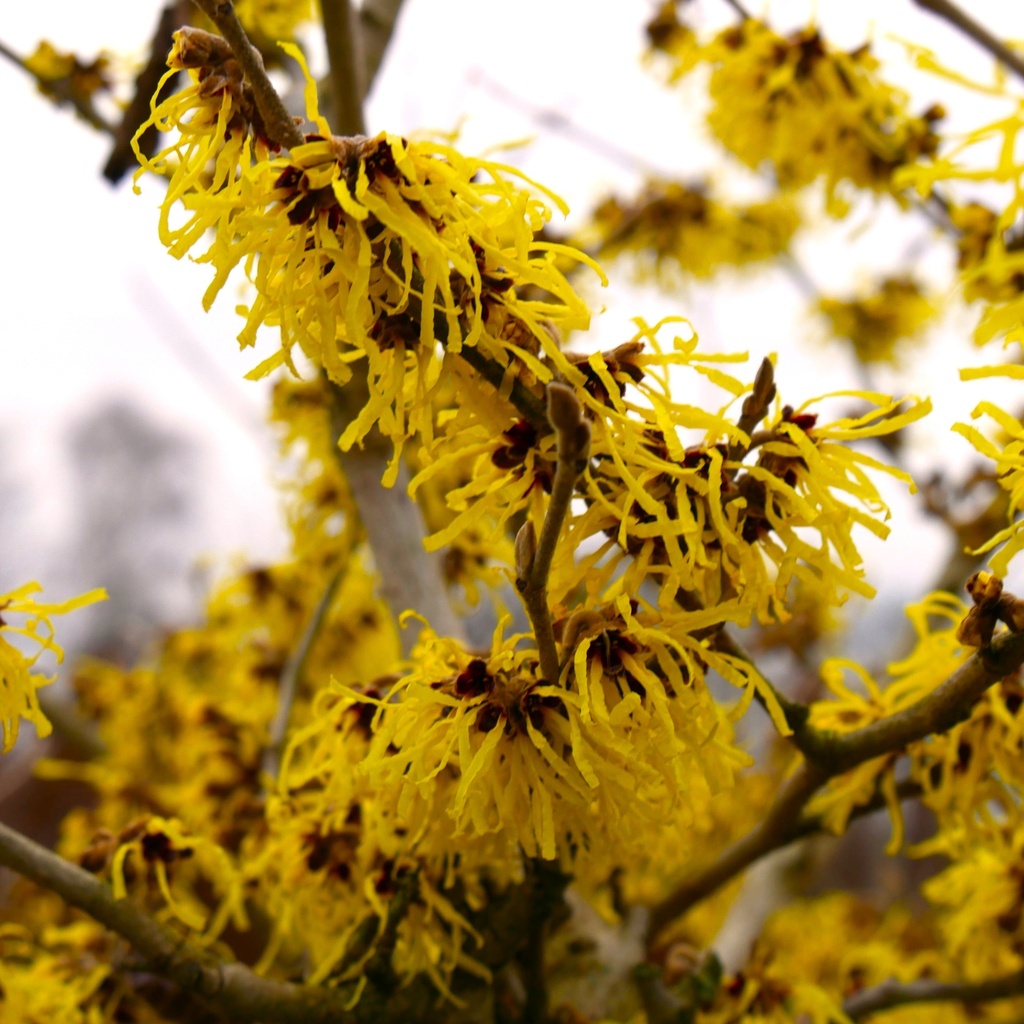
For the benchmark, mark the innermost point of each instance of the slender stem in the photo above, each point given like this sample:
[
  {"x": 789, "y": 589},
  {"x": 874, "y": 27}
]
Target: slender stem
[
  {"x": 291, "y": 677},
  {"x": 380, "y": 968},
  {"x": 795, "y": 712},
  {"x": 79, "y": 733},
  {"x": 279, "y": 124},
  {"x": 344, "y": 54},
  {"x": 527, "y": 404},
  {"x": 565, "y": 415},
  {"x": 892, "y": 993},
  {"x": 974, "y": 30},
  {"x": 739, "y": 9}
]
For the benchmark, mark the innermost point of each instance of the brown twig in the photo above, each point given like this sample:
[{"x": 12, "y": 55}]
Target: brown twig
[
  {"x": 377, "y": 19},
  {"x": 893, "y": 993},
  {"x": 534, "y": 556},
  {"x": 976, "y": 31},
  {"x": 345, "y": 59},
  {"x": 279, "y": 124},
  {"x": 774, "y": 832},
  {"x": 829, "y": 754},
  {"x": 122, "y": 157},
  {"x": 739, "y": 9},
  {"x": 230, "y": 988}
]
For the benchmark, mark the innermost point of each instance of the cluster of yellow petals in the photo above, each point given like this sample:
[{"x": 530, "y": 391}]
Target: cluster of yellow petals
[
  {"x": 21, "y": 615},
  {"x": 936, "y": 655},
  {"x": 991, "y": 254},
  {"x": 370, "y": 251},
  {"x": 674, "y": 228},
  {"x": 1007, "y": 454},
  {"x": 875, "y": 322},
  {"x": 806, "y": 110}
]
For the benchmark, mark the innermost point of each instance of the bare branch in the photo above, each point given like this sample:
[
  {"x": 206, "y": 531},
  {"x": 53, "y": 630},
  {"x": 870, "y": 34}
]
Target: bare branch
[
  {"x": 230, "y": 987},
  {"x": 280, "y": 126},
  {"x": 412, "y": 578},
  {"x": 344, "y": 54},
  {"x": 937, "y": 712},
  {"x": 122, "y": 156},
  {"x": 377, "y": 19},
  {"x": 830, "y": 754},
  {"x": 534, "y": 559},
  {"x": 775, "y": 831},
  {"x": 894, "y": 993},
  {"x": 974, "y": 30},
  {"x": 291, "y": 677}
]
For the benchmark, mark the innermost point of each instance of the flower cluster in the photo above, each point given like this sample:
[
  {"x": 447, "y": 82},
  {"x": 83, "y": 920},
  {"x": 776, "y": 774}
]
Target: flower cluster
[
  {"x": 678, "y": 227},
  {"x": 1008, "y": 457},
  {"x": 895, "y": 310},
  {"x": 362, "y": 251},
  {"x": 803, "y": 109},
  {"x": 21, "y": 615}
]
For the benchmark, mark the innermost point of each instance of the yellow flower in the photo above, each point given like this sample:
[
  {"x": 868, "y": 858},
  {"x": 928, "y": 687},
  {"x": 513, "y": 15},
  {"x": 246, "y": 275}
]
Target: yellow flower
[
  {"x": 936, "y": 655},
  {"x": 876, "y": 321},
  {"x": 578, "y": 768},
  {"x": 716, "y": 514},
  {"x": 809, "y": 111},
  {"x": 672, "y": 227},
  {"x": 19, "y": 682},
  {"x": 273, "y": 20},
  {"x": 979, "y": 894},
  {"x": 365, "y": 250},
  {"x": 1008, "y": 457}
]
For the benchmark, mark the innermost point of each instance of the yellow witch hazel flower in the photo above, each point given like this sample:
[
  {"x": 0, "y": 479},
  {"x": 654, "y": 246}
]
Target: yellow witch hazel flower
[
  {"x": 936, "y": 655},
  {"x": 482, "y": 746},
  {"x": 19, "y": 682},
  {"x": 672, "y": 227},
  {"x": 273, "y": 19},
  {"x": 722, "y": 514},
  {"x": 374, "y": 250},
  {"x": 990, "y": 243},
  {"x": 876, "y": 321},
  {"x": 810, "y": 111},
  {"x": 1008, "y": 457}
]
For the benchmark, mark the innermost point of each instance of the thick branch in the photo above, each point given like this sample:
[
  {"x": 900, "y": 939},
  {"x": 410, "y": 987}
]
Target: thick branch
[
  {"x": 937, "y": 712},
  {"x": 280, "y": 126},
  {"x": 893, "y": 993},
  {"x": 344, "y": 54},
  {"x": 412, "y": 578},
  {"x": 976, "y": 31},
  {"x": 229, "y": 987},
  {"x": 831, "y": 754}
]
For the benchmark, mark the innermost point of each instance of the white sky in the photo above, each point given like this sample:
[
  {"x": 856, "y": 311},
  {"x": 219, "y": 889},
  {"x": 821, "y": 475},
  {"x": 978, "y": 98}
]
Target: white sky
[{"x": 92, "y": 306}]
